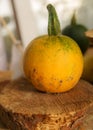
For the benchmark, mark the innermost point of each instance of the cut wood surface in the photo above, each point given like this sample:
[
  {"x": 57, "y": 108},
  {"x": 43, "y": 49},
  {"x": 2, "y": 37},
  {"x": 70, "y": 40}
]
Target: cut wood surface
[
  {"x": 24, "y": 108},
  {"x": 2, "y": 126},
  {"x": 89, "y": 35},
  {"x": 5, "y": 75}
]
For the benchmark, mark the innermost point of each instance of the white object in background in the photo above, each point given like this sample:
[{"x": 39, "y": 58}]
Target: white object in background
[
  {"x": 32, "y": 15},
  {"x": 16, "y": 62},
  {"x": 3, "y": 59},
  {"x": 26, "y": 20}
]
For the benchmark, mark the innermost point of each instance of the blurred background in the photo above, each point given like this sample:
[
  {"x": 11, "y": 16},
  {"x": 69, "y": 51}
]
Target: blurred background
[{"x": 23, "y": 20}]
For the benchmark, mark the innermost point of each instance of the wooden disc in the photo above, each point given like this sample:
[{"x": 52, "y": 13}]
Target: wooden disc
[{"x": 24, "y": 108}]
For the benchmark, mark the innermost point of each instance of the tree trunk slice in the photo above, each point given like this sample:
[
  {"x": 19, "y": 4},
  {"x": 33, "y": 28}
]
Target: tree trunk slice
[
  {"x": 24, "y": 108},
  {"x": 5, "y": 76},
  {"x": 2, "y": 126}
]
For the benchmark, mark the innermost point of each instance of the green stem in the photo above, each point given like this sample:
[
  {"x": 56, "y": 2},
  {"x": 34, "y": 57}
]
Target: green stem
[
  {"x": 73, "y": 20},
  {"x": 53, "y": 22}
]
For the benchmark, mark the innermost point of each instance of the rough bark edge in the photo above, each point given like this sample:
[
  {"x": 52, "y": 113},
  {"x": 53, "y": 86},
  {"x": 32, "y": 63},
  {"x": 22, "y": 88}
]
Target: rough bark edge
[{"x": 18, "y": 121}]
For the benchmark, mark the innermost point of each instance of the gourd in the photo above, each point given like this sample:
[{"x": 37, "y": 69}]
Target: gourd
[
  {"x": 77, "y": 32},
  {"x": 88, "y": 66},
  {"x": 54, "y": 62}
]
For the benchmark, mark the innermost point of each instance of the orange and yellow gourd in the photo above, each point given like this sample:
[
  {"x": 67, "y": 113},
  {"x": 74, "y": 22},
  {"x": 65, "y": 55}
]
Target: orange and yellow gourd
[{"x": 54, "y": 62}]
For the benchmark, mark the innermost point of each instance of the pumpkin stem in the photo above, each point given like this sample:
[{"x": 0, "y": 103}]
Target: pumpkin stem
[
  {"x": 73, "y": 20},
  {"x": 53, "y": 22}
]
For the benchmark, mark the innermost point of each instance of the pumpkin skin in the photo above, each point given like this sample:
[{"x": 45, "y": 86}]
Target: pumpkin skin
[
  {"x": 53, "y": 63},
  {"x": 77, "y": 32}
]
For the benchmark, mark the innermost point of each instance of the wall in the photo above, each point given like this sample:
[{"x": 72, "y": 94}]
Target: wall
[{"x": 33, "y": 15}]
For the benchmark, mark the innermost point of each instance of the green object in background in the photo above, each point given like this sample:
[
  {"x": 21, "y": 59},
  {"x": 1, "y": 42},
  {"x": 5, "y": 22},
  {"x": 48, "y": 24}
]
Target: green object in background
[
  {"x": 88, "y": 68},
  {"x": 77, "y": 32},
  {"x": 8, "y": 47}
]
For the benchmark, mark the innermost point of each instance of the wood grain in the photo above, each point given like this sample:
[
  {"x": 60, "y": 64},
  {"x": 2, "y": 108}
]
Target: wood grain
[
  {"x": 24, "y": 108},
  {"x": 89, "y": 35},
  {"x": 5, "y": 75},
  {"x": 2, "y": 126}
]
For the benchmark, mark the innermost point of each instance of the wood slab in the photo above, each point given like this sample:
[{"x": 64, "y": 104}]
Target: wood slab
[
  {"x": 5, "y": 75},
  {"x": 3, "y": 82},
  {"x": 89, "y": 35},
  {"x": 24, "y": 108},
  {"x": 2, "y": 126}
]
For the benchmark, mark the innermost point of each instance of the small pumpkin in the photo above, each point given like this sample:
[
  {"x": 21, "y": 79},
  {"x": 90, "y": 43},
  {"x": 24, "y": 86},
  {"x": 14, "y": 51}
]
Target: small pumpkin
[
  {"x": 77, "y": 32},
  {"x": 53, "y": 63},
  {"x": 88, "y": 65}
]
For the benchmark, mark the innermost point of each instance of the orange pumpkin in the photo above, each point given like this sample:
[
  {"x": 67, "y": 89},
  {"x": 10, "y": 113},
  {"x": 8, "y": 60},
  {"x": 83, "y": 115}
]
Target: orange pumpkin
[{"x": 54, "y": 62}]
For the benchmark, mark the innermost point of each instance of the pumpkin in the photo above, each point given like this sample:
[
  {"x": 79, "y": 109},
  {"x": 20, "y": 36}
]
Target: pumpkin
[
  {"x": 77, "y": 32},
  {"x": 88, "y": 66},
  {"x": 54, "y": 62}
]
